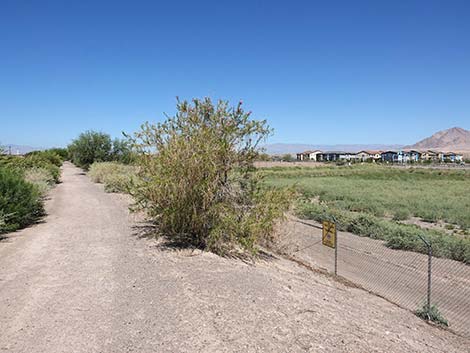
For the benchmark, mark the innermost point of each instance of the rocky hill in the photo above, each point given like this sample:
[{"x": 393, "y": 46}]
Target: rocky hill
[{"x": 454, "y": 139}]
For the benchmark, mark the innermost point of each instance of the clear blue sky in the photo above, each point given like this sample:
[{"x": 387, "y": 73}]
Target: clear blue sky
[{"x": 322, "y": 72}]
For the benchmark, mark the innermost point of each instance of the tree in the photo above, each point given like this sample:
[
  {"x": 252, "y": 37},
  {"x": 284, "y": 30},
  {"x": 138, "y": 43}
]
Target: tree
[
  {"x": 198, "y": 184},
  {"x": 90, "y": 147},
  {"x": 122, "y": 151},
  {"x": 264, "y": 157},
  {"x": 287, "y": 157}
]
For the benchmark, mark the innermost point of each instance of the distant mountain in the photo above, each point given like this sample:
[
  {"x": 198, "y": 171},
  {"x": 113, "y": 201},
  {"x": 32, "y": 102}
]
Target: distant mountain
[
  {"x": 284, "y": 148},
  {"x": 454, "y": 139},
  {"x": 18, "y": 149}
]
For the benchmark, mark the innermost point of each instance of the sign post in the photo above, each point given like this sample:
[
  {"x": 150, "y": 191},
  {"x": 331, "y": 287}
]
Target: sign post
[{"x": 329, "y": 238}]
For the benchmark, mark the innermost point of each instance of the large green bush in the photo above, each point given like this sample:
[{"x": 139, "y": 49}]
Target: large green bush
[
  {"x": 20, "y": 201},
  {"x": 90, "y": 147},
  {"x": 93, "y": 146},
  {"x": 197, "y": 180},
  {"x": 23, "y": 182}
]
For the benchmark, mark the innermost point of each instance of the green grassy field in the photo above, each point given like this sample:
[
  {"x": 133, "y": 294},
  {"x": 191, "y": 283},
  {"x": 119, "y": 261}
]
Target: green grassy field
[{"x": 369, "y": 200}]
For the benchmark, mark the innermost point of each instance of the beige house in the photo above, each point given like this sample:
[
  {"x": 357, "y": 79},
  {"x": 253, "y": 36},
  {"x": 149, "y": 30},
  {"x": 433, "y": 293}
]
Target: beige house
[
  {"x": 308, "y": 156},
  {"x": 430, "y": 155},
  {"x": 368, "y": 155}
]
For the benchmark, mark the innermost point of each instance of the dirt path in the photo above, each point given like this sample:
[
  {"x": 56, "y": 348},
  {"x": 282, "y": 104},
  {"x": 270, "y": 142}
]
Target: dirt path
[{"x": 82, "y": 282}]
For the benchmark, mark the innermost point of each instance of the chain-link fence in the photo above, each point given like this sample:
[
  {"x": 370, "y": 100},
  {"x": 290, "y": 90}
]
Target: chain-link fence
[{"x": 399, "y": 276}]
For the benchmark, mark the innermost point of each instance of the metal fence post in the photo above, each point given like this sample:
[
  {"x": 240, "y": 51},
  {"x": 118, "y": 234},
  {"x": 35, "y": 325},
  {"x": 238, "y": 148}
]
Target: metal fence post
[
  {"x": 336, "y": 245},
  {"x": 428, "y": 245},
  {"x": 429, "y": 275}
]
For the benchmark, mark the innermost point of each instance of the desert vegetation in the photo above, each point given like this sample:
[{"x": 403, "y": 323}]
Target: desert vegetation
[
  {"x": 193, "y": 176},
  {"x": 24, "y": 181},
  {"x": 115, "y": 176},
  {"x": 197, "y": 182},
  {"x": 376, "y": 201},
  {"x": 92, "y": 146}
]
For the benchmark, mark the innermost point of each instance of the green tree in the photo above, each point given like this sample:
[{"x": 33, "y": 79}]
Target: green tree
[
  {"x": 122, "y": 152},
  {"x": 198, "y": 184},
  {"x": 89, "y": 147},
  {"x": 287, "y": 158},
  {"x": 264, "y": 157}
]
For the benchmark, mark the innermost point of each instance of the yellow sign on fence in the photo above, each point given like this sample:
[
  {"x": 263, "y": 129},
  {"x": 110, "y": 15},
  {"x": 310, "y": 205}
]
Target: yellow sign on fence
[{"x": 329, "y": 234}]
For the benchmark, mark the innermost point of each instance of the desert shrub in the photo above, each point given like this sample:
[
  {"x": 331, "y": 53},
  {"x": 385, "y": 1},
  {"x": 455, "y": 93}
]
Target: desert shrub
[
  {"x": 39, "y": 161},
  {"x": 20, "y": 202},
  {"x": 287, "y": 157},
  {"x": 116, "y": 177},
  {"x": 401, "y": 214},
  {"x": 93, "y": 146},
  {"x": 365, "y": 225},
  {"x": 122, "y": 152},
  {"x": 40, "y": 177},
  {"x": 22, "y": 164},
  {"x": 2, "y": 222},
  {"x": 264, "y": 157},
  {"x": 466, "y": 252},
  {"x": 48, "y": 155},
  {"x": 197, "y": 180},
  {"x": 431, "y": 313},
  {"x": 62, "y": 152},
  {"x": 99, "y": 170}
]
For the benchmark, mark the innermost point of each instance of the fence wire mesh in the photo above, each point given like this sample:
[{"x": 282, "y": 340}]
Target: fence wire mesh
[{"x": 398, "y": 276}]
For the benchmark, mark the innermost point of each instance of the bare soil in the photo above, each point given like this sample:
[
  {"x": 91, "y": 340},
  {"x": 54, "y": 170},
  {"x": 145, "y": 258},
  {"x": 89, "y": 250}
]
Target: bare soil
[
  {"x": 83, "y": 281},
  {"x": 439, "y": 225}
]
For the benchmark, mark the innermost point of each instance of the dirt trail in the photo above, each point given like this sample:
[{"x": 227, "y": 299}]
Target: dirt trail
[{"x": 83, "y": 282}]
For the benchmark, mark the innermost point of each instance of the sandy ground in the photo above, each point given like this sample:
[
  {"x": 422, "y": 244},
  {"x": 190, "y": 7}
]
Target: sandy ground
[{"x": 82, "y": 281}]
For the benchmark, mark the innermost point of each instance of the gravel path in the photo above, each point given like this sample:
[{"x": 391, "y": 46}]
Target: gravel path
[{"x": 82, "y": 281}]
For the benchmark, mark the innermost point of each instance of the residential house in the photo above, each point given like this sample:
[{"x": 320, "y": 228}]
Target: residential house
[
  {"x": 430, "y": 155},
  {"x": 330, "y": 156},
  {"x": 308, "y": 156},
  {"x": 364, "y": 156},
  {"x": 411, "y": 156},
  {"x": 452, "y": 157},
  {"x": 392, "y": 156}
]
